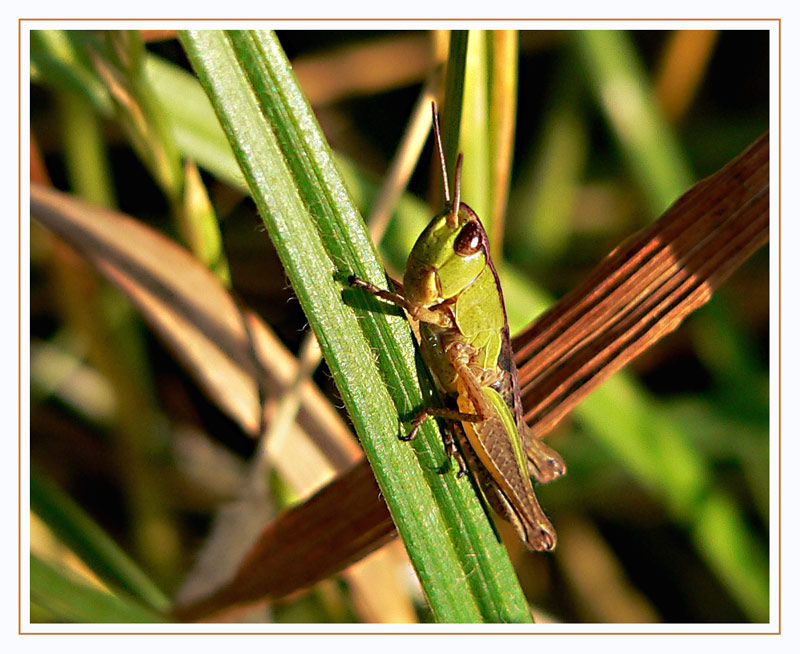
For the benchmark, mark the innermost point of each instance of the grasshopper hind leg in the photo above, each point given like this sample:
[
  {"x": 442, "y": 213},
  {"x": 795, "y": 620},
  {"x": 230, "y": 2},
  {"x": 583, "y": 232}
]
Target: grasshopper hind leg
[
  {"x": 544, "y": 463},
  {"x": 451, "y": 449},
  {"x": 536, "y": 532}
]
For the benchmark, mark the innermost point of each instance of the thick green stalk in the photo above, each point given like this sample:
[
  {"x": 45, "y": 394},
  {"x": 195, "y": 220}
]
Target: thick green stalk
[{"x": 321, "y": 239}]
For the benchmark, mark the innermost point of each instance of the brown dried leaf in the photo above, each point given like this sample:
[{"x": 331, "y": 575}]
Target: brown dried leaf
[
  {"x": 365, "y": 67},
  {"x": 226, "y": 347},
  {"x": 641, "y": 292},
  {"x": 644, "y": 289},
  {"x": 339, "y": 525}
]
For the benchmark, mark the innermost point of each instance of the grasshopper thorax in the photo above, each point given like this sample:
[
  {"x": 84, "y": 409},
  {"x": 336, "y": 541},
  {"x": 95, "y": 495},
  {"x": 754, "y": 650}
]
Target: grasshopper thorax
[{"x": 446, "y": 258}]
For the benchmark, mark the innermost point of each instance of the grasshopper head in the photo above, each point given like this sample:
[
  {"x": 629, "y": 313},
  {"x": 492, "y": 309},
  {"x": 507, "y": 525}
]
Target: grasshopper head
[
  {"x": 446, "y": 258},
  {"x": 452, "y": 251}
]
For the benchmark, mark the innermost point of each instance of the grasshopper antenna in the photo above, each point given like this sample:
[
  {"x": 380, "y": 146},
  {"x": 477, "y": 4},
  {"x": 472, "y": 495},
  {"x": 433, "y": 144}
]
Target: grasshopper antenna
[
  {"x": 452, "y": 219},
  {"x": 439, "y": 147}
]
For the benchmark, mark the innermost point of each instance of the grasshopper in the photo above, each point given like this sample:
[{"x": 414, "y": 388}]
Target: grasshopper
[{"x": 450, "y": 287}]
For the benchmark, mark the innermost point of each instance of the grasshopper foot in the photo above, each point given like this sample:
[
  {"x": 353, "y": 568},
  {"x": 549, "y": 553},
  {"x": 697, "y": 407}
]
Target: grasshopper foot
[{"x": 462, "y": 466}]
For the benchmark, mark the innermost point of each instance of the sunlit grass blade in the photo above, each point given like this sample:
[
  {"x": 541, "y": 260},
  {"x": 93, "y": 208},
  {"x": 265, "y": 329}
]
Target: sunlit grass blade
[
  {"x": 85, "y": 537},
  {"x": 65, "y": 597},
  {"x": 649, "y": 144},
  {"x": 58, "y": 59},
  {"x": 452, "y": 106},
  {"x": 503, "y": 73},
  {"x": 87, "y": 162},
  {"x": 194, "y": 123},
  {"x": 683, "y": 65},
  {"x": 321, "y": 239},
  {"x": 474, "y": 141}
]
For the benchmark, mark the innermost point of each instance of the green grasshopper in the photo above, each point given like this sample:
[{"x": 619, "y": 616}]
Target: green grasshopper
[{"x": 450, "y": 287}]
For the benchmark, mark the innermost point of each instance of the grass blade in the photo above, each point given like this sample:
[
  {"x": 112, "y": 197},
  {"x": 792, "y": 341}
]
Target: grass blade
[
  {"x": 474, "y": 141},
  {"x": 321, "y": 239},
  {"x": 453, "y": 96},
  {"x": 648, "y": 143},
  {"x": 85, "y": 537},
  {"x": 503, "y": 74},
  {"x": 66, "y": 598}
]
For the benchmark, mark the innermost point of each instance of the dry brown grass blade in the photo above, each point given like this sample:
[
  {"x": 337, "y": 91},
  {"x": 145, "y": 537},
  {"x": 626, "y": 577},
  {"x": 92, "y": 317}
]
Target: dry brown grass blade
[
  {"x": 38, "y": 169},
  {"x": 337, "y": 526},
  {"x": 683, "y": 65},
  {"x": 641, "y": 292},
  {"x": 223, "y": 345},
  {"x": 597, "y": 580},
  {"x": 645, "y": 288},
  {"x": 154, "y": 36},
  {"x": 227, "y": 348},
  {"x": 367, "y": 67}
]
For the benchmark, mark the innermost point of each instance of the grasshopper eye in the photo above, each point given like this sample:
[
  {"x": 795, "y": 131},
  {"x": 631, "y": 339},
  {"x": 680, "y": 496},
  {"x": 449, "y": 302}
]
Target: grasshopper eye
[{"x": 469, "y": 240}]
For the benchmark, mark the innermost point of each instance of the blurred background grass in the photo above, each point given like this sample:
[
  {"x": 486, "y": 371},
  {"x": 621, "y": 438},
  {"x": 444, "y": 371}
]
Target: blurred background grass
[{"x": 611, "y": 127}]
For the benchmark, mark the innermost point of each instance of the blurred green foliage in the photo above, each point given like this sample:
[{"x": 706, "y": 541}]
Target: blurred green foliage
[{"x": 594, "y": 161}]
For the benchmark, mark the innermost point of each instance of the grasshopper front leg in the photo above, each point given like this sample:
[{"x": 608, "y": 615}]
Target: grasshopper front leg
[
  {"x": 438, "y": 319},
  {"x": 416, "y": 311}
]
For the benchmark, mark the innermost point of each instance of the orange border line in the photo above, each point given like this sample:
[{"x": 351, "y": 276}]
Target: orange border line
[
  {"x": 365, "y": 633},
  {"x": 780, "y": 595},
  {"x": 398, "y": 20},
  {"x": 19, "y": 326},
  {"x": 399, "y": 633}
]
